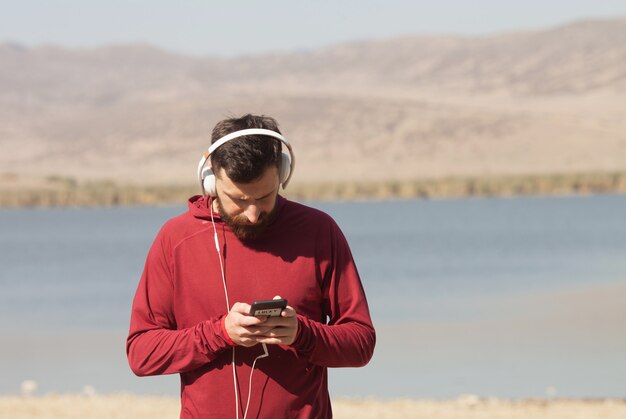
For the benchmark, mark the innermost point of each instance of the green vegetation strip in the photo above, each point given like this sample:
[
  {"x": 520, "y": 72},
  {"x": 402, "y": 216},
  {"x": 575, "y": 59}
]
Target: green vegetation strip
[{"x": 62, "y": 192}]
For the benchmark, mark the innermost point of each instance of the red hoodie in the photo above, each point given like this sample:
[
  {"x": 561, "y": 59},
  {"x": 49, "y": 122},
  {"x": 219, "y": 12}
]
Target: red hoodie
[{"x": 176, "y": 317}]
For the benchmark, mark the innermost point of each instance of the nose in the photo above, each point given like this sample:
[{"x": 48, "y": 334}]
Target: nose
[{"x": 252, "y": 213}]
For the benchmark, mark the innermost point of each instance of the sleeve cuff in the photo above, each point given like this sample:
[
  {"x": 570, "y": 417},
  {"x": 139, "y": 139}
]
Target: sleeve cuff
[
  {"x": 304, "y": 343},
  {"x": 225, "y": 333}
]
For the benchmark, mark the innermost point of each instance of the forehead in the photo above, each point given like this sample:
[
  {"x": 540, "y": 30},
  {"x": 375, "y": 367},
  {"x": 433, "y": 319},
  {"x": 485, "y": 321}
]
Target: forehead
[{"x": 264, "y": 185}]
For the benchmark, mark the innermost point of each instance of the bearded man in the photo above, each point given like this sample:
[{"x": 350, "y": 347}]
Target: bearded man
[{"x": 241, "y": 241}]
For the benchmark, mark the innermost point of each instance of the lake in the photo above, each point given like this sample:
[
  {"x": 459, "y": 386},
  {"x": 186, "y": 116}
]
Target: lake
[{"x": 520, "y": 297}]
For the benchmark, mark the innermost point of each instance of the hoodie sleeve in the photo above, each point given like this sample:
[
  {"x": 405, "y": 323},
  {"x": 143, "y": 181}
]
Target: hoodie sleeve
[
  {"x": 154, "y": 345},
  {"x": 349, "y": 338}
]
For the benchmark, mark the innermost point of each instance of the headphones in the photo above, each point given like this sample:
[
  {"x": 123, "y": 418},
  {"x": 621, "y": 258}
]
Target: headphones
[{"x": 207, "y": 177}]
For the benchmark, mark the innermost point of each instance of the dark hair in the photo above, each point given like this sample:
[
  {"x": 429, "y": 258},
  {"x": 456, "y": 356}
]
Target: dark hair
[{"x": 246, "y": 158}]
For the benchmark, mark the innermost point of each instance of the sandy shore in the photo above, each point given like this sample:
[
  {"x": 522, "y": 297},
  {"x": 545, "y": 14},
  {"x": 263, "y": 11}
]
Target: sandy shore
[{"x": 124, "y": 406}]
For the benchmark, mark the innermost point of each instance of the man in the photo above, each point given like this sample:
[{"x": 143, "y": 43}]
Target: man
[{"x": 239, "y": 243}]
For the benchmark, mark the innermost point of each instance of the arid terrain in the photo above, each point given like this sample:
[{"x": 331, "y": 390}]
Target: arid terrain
[
  {"x": 528, "y": 103},
  {"x": 124, "y": 406}
]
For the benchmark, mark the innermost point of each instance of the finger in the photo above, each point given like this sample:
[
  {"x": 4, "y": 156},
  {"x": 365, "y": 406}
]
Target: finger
[
  {"x": 276, "y": 321},
  {"x": 262, "y": 319},
  {"x": 269, "y": 341},
  {"x": 279, "y": 333},
  {"x": 277, "y": 297},
  {"x": 256, "y": 331},
  {"x": 288, "y": 312},
  {"x": 247, "y": 321},
  {"x": 247, "y": 342},
  {"x": 242, "y": 308}
]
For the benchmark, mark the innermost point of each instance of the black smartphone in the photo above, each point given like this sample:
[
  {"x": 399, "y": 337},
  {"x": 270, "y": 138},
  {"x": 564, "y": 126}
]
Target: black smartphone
[{"x": 268, "y": 307}]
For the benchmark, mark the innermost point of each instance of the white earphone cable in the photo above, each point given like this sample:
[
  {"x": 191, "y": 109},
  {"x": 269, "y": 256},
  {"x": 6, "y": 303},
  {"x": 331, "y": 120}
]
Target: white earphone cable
[
  {"x": 265, "y": 352},
  {"x": 219, "y": 256},
  {"x": 263, "y": 355}
]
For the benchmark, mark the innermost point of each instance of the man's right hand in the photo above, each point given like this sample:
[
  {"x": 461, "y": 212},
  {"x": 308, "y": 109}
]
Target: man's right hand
[{"x": 242, "y": 328}]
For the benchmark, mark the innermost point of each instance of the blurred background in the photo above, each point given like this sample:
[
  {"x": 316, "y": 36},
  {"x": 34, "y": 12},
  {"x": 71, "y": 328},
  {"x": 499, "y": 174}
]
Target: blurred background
[{"x": 474, "y": 154}]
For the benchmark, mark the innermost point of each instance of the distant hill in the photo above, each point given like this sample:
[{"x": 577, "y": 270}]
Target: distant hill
[{"x": 537, "y": 102}]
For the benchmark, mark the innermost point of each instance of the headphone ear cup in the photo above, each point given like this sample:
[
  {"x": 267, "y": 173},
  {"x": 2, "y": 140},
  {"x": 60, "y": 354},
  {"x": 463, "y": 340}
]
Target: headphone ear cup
[
  {"x": 208, "y": 182},
  {"x": 285, "y": 167}
]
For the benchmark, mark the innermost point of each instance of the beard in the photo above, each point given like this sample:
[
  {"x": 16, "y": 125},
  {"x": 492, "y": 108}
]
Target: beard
[{"x": 241, "y": 227}]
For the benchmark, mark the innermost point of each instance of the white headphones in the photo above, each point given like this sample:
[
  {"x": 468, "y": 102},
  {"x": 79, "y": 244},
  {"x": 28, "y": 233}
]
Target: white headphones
[{"x": 207, "y": 177}]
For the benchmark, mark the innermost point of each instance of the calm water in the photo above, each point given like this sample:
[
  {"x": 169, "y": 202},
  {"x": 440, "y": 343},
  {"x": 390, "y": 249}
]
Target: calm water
[{"x": 502, "y": 297}]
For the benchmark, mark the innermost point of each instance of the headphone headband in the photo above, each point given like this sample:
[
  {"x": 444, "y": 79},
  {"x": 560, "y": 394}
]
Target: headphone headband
[
  {"x": 250, "y": 131},
  {"x": 241, "y": 133}
]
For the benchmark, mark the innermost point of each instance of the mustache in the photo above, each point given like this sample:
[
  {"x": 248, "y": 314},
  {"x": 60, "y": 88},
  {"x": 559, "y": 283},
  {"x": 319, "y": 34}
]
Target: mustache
[
  {"x": 242, "y": 220},
  {"x": 244, "y": 229}
]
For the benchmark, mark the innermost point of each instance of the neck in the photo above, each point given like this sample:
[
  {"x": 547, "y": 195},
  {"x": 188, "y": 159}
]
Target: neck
[{"x": 214, "y": 206}]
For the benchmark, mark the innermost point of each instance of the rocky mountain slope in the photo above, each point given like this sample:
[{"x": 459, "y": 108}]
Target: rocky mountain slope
[{"x": 550, "y": 101}]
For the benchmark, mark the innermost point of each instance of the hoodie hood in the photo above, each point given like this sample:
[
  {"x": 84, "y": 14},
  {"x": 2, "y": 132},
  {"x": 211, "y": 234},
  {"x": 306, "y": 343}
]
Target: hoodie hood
[{"x": 200, "y": 207}]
